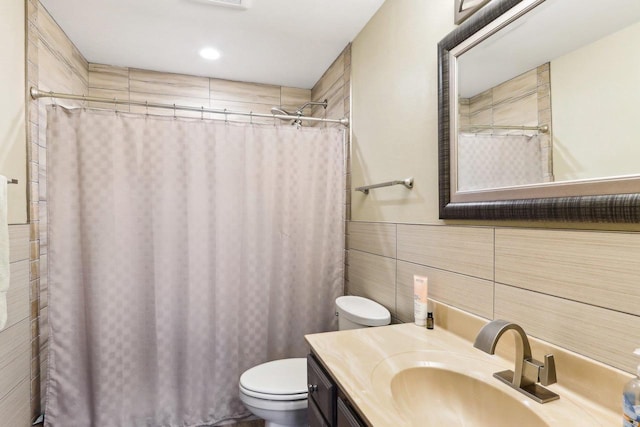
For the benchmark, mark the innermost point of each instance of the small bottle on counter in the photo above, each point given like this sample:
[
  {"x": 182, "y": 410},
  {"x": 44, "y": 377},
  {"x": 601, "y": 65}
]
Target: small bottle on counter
[{"x": 429, "y": 320}]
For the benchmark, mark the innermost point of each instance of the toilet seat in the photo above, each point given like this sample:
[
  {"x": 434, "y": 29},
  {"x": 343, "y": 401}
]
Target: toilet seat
[
  {"x": 274, "y": 405},
  {"x": 282, "y": 380},
  {"x": 267, "y": 396}
]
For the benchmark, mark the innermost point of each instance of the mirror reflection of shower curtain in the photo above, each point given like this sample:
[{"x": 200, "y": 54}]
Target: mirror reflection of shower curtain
[
  {"x": 183, "y": 252},
  {"x": 494, "y": 161}
]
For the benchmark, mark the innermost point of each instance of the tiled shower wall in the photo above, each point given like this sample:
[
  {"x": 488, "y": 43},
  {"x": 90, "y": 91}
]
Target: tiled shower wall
[
  {"x": 577, "y": 289},
  {"x": 156, "y": 87},
  {"x": 15, "y": 338},
  {"x": 524, "y": 100},
  {"x": 53, "y": 63}
]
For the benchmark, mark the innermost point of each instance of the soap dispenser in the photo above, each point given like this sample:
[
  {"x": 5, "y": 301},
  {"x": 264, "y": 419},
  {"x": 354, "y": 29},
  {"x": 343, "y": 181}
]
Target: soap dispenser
[{"x": 631, "y": 400}]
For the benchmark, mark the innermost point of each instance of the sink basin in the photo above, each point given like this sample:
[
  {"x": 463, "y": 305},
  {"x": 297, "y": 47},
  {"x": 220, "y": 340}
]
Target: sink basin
[
  {"x": 439, "y": 388},
  {"x": 433, "y": 396}
]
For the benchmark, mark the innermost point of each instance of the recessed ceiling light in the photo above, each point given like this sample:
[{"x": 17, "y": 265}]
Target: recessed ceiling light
[{"x": 210, "y": 53}]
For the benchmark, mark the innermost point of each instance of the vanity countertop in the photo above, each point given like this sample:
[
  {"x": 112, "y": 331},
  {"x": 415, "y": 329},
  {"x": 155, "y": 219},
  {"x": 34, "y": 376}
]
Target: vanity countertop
[{"x": 358, "y": 359}]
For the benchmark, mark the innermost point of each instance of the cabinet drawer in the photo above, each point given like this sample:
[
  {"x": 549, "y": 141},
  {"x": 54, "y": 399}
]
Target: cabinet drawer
[
  {"x": 322, "y": 391},
  {"x": 315, "y": 417},
  {"x": 346, "y": 416}
]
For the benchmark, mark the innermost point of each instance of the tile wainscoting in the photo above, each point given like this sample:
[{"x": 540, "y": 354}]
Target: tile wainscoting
[
  {"x": 15, "y": 338},
  {"x": 576, "y": 289}
]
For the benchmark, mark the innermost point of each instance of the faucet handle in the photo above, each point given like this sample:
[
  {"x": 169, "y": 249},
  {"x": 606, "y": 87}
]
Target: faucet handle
[{"x": 548, "y": 370}]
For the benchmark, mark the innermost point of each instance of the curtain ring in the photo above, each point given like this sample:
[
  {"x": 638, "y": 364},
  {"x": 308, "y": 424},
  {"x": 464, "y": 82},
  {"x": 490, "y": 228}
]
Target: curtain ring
[
  {"x": 226, "y": 116},
  {"x": 202, "y": 112},
  {"x": 84, "y": 102},
  {"x": 54, "y": 101},
  {"x": 146, "y": 106},
  {"x": 115, "y": 105},
  {"x": 174, "y": 111},
  {"x": 251, "y": 117}
]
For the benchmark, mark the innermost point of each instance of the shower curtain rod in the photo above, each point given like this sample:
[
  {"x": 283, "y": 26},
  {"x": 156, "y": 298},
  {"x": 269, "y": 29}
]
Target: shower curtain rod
[
  {"x": 37, "y": 93},
  {"x": 543, "y": 128}
]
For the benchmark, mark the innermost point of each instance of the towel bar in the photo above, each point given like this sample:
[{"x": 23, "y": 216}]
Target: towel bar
[{"x": 406, "y": 182}]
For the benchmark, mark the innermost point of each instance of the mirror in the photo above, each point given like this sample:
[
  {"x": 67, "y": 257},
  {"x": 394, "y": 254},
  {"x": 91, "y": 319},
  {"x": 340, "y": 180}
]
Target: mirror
[{"x": 536, "y": 108}]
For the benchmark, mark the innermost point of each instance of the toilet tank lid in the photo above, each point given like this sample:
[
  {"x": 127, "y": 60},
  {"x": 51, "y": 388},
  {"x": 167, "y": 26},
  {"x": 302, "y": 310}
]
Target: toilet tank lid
[
  {"x": 363, "y": 311},
  {"x": 282, "y": 377}
]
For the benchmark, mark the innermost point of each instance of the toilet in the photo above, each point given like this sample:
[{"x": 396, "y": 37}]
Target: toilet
[
  {"x": 357, "y": 312},
  {"x": 276, "y": 391}
]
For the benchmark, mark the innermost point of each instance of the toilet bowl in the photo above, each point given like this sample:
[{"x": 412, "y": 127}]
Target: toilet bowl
[{"x": 276, "y": 391}]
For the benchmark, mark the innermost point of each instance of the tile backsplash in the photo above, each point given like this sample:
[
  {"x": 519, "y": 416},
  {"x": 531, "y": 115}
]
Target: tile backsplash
[{"x": 576, "y": 289}]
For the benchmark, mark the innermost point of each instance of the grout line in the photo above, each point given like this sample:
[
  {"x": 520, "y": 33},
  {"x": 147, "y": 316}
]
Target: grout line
[{"x": 493, "y": 301}]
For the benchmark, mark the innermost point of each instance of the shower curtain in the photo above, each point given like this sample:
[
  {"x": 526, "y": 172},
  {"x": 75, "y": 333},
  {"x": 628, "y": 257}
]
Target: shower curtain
[
  {"x": 183, "y": 252},
  {"x": 494, "y": 161}
]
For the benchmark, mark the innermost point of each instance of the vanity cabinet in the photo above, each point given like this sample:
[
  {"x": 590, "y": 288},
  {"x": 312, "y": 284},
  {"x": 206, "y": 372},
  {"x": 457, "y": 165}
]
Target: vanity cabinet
[{"x": 328, "y": 405}]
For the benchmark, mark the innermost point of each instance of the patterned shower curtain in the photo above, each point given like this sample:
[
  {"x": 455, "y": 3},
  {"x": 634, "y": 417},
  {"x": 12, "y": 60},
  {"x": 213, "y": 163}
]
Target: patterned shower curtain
[
  {"x": 183, "y": 252},
  {"x": 495, "y": 161}
]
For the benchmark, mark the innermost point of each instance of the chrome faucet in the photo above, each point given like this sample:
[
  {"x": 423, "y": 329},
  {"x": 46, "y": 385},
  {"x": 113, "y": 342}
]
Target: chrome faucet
[{"x": 528, "y": 371}]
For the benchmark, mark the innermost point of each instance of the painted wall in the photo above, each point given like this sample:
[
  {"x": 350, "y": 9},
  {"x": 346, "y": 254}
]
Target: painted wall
[
  {"x": 600, "y": 77},
  {"x": 574, "y": 288},
  {"x": 13, "y": 148},
  {"x": 395, "y": 110}
]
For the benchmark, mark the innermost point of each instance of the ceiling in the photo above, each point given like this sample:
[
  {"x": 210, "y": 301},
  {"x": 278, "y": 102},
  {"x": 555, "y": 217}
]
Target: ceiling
[
  {"x": 281, "y": 42},
  {"x": 521, "y": 46}
]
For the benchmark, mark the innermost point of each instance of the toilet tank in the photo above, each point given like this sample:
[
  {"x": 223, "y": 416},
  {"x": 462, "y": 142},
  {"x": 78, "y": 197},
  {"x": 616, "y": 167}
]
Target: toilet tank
[{"x": 357, "y": 312}]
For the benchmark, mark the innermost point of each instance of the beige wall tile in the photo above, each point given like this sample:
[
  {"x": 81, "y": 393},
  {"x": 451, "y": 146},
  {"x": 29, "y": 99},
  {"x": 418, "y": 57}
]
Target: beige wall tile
[
  {"x": 464, "y": 250},
  {"x": 14, "y": 372},
  {"x": 55, "y": 76},
  {"x": 18, "y": 295},
  {"x": 517, "y": 87},
  {"x": 168, "y": 85},
  {"x": 13, "y": 342},
  {"x": 467, "y": 293},
  {"x": 597, "y": 268},
  {"x": 544, "y": 103},
  {"x": 544, "y": 116},
  {"x": 292, "y": 98},
  {"x": 605, "y": 335},
  {"x": 518, "y": 112},
  {"x": 373, "y": 277},
  {"x": 482, "y": 117},
  {"x": 246, "y": 108},
  {"x": 373, "y": 237},
  {"x": 169, "y": 99},
  {"x": 15, "y": 408},
  {"x": 52, "y": 36},
  {"x": 252, "y": 93},
  {"x": 122, "y": 95},
  {"x": 18, "y": 242},
  {"x": 44, "y": 327},
  {"x": 333, "y": 74},
  {"x": 108, "y": 77},
  {"x": 481, "y": 101},
  {"x": 333, "y": 111}
]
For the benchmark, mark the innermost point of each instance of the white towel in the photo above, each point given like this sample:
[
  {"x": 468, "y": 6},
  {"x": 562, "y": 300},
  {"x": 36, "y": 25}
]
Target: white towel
[{"x": 4, "y": 252}]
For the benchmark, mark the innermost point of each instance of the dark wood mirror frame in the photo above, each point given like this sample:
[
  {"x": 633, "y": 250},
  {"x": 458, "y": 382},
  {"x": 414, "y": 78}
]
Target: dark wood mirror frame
[{"x": 613, "y": 208}]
